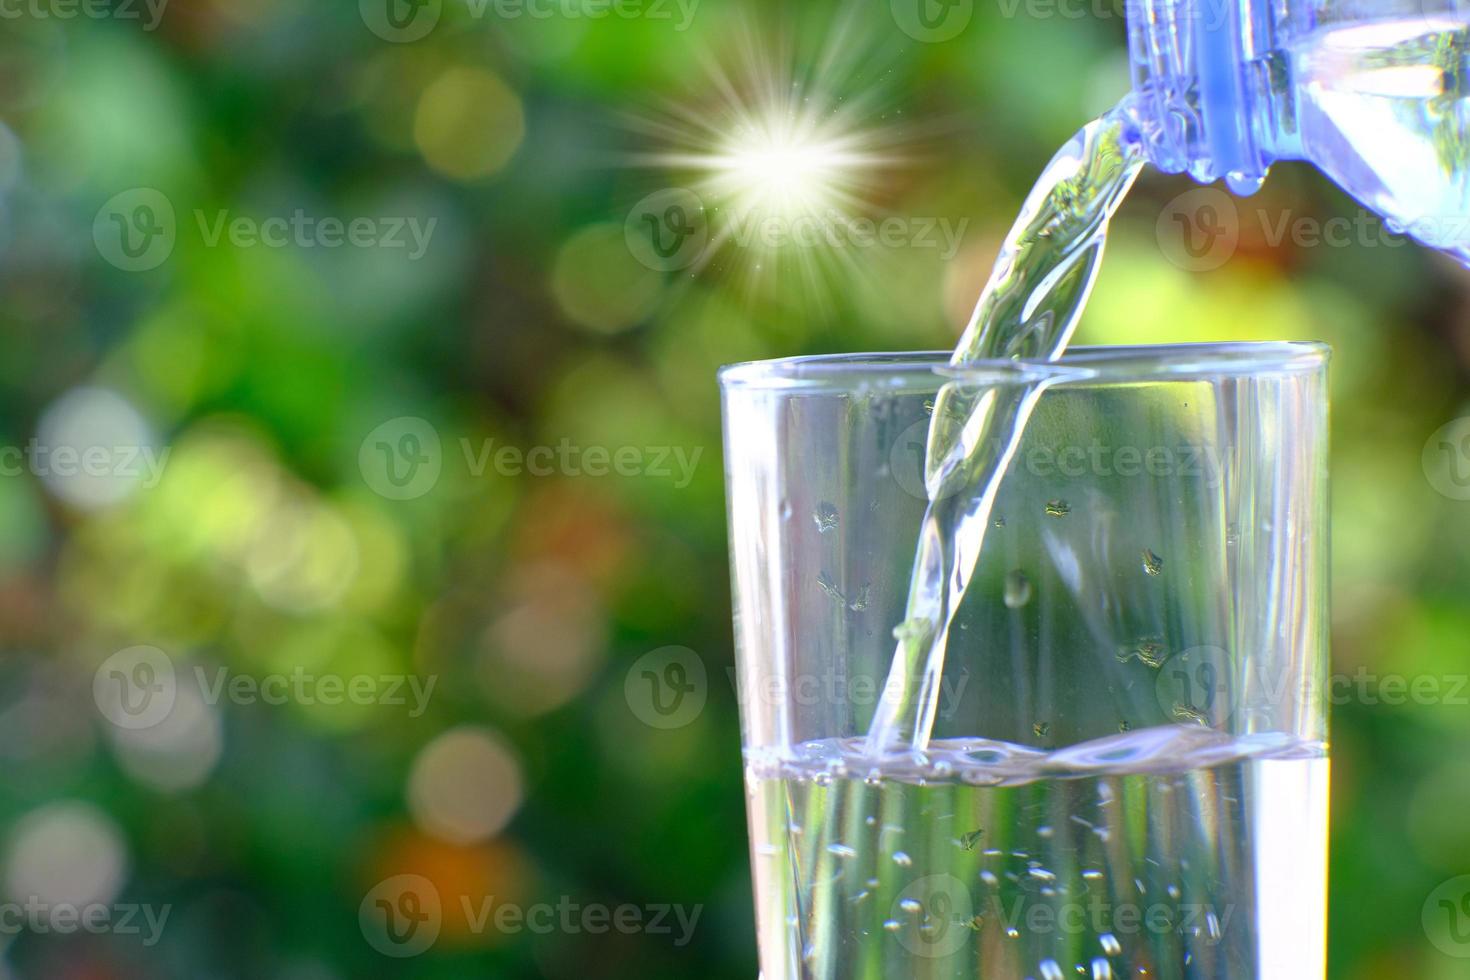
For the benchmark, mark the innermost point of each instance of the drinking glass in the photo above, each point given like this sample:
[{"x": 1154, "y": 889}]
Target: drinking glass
[{"x": 1126, "y": 775}]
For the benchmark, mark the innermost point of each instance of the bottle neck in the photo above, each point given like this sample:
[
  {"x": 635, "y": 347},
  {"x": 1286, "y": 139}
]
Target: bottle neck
[{"x": 1201, "y": 87}]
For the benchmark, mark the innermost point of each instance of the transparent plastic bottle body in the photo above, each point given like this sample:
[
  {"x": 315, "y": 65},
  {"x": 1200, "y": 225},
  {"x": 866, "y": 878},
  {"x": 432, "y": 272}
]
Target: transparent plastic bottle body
[{"x": 1375, "y": 93}]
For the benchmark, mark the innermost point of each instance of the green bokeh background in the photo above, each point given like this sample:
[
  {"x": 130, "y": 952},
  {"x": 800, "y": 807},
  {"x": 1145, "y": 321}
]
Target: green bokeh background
[{"x": 270, "y": 544}]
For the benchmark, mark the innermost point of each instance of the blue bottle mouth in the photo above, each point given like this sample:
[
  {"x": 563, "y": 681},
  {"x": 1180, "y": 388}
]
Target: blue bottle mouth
[{"x": 1195, "y": 87}]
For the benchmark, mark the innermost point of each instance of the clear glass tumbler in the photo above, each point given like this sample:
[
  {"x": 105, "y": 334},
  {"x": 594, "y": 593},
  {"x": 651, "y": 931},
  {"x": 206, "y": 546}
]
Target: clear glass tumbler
[{"x": 1127, "y": 771}]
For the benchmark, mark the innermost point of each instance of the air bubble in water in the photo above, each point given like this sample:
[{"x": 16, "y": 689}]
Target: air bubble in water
[
  {"x": 1102, "y": 969},
  {"x": 1110, "y": 944},
  {"x": 902, "y": 860},
  {"x": 1189, "y": 713},
  {"x": 1051, "y": 970},
  {"x": 1058, "y": 508},
  {"x": 841, "y": 850},
  {"x": 825, "y": 517},
  {"x": 911, "y": 906},
  {"x": 1152, "y": 563},
  {"x": 1018, "y": 589},
  {"x": 1150, "y": 652},
  {"x": 825, "y": 583},
  {"x": 915, "y": 630}
]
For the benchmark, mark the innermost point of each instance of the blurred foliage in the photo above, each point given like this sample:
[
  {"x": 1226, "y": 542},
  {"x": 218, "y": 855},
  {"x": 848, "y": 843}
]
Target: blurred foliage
[{"x": 269, "y": 544}]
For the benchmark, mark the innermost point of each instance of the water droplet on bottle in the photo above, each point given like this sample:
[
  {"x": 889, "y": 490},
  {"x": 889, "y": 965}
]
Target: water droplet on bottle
[
  {"x": 825, "y": 517},
  {"x": 1058, "y": 508},
  {"x": 1152, "y": 563},
  {"x": 1041, "y": 728},
  {"x": 1000, "y": 522},
  {"x": 785, "y": 510},
  {"x": 1017, "y": 590},
  {"x": 1125, "y": 726},
  {"x": 1243, "y": 184}
]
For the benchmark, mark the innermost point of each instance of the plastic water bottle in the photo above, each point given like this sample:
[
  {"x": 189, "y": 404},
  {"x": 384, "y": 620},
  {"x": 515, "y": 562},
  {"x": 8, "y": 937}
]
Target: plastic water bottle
[{"x": 1375, "y": 93}]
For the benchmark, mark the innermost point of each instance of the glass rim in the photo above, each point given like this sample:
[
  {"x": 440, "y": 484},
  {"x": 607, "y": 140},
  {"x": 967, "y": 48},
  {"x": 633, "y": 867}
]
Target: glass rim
[{"x": 1109, "y": 365}]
